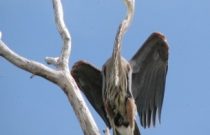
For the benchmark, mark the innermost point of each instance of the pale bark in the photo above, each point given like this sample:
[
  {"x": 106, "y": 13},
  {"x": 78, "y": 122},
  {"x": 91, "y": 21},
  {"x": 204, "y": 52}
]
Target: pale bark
[{"x": 61, "y": 75}]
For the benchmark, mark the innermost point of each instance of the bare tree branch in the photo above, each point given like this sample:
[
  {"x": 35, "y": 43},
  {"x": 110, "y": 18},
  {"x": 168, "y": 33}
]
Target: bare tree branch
[
  {"x": 63, "y": 60},
  {"x": 25, "y": 64},
  {"x": 62, "y": 76}
]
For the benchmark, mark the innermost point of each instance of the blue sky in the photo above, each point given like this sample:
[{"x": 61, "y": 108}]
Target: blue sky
[{"x": 38, "y": 107}]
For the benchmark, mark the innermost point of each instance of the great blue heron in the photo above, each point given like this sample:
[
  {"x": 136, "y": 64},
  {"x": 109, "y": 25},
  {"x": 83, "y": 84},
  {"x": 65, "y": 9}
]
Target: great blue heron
[
  {"x": 117, "y": 97},
  {"x": 121, "y": 86}
]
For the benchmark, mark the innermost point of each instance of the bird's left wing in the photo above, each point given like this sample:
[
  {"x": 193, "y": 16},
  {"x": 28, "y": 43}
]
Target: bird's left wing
[{"x": 89, "y": 80}]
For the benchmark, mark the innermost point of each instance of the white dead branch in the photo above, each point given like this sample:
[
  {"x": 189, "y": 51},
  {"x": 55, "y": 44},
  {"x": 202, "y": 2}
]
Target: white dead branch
[{"x": 61, "y": 75}]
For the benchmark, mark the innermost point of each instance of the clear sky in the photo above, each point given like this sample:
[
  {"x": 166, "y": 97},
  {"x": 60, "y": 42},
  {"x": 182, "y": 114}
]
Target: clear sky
[{"x": 38, "y": 107}]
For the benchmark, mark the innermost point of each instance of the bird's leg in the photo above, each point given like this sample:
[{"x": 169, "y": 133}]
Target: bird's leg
[{"x": 131, "y": 111}]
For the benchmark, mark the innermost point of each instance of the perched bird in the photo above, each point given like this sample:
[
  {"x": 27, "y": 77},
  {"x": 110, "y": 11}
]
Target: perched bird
[
  {"x": 117, "y": 97},
  {"x": 124, "y": 87}
]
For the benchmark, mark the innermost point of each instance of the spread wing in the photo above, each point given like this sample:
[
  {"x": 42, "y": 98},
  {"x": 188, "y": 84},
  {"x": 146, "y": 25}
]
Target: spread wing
[
  {"x": 149, "y": 75},
  {"x": 89, "y": 80}
]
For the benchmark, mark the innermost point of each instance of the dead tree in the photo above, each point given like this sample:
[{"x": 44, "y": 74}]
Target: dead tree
[{"x": 60, "y": 75}]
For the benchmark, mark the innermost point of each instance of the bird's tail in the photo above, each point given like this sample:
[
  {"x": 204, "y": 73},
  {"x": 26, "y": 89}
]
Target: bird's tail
[{"x": 126, "y": 131}]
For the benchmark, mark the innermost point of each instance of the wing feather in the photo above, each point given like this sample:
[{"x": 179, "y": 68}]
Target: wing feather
[
  {"x": 89, "y": 80},
  {"x": 149, "y": 75}
]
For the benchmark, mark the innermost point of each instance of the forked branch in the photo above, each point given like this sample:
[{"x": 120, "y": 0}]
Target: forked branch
[
  {"x": 63, "y": 61},
  {"x": 61, "y": 75}
]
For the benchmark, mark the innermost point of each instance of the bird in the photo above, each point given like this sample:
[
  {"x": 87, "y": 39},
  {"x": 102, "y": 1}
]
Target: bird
[
  {"x": 118, "y": 100},
  {"x": 122, "y": 88}
]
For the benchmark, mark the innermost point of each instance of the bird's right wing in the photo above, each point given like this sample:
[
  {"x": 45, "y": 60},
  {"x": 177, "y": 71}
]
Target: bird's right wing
[{"x": 150, "y": 65}]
